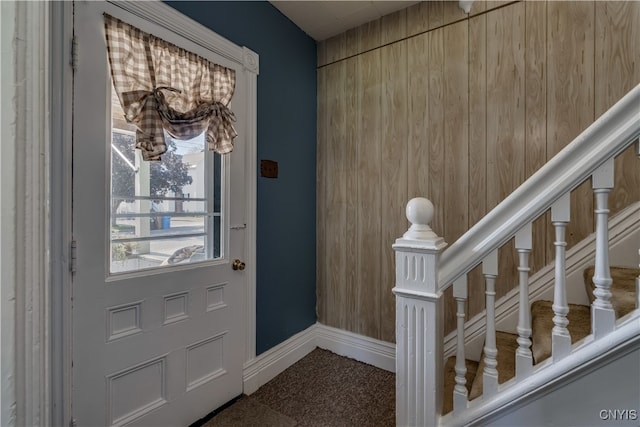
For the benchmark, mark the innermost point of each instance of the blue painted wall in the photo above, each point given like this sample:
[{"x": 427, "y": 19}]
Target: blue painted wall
[{"x": 286, "y": 232}]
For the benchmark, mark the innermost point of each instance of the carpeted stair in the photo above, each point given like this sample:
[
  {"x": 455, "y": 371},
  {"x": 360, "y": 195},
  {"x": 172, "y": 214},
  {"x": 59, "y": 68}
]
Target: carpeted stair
[
  {"x": 506, "y": 345},
  {"x": 542, "y": 323},
  {"x": 623, "y": 300},
  {"x": 623, "y": 288}
]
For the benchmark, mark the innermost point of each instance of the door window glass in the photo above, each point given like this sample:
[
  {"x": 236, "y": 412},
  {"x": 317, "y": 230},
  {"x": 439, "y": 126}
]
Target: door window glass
[{"x": 163, "y": 213}]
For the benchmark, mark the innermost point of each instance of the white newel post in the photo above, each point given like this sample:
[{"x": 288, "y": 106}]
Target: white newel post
[{"x": 419, "y": 313}]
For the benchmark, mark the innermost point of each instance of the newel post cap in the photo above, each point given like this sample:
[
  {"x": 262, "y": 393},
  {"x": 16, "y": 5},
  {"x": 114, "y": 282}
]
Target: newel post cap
[
  {"x": 420, "y": 213},
  {"x": 420, "y": 235}
]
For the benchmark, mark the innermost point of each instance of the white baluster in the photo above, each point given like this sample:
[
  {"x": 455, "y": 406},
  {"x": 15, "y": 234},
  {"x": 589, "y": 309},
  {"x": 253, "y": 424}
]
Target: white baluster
[
  {"x": 603, "y": 317},
  {"x": 560, "y": 338},
  {"x": 460, "y": 394},
  {"x": 524, "y": 359},
  {"x": 490, "y": 375},
  {"x": 419, "y": 314}
]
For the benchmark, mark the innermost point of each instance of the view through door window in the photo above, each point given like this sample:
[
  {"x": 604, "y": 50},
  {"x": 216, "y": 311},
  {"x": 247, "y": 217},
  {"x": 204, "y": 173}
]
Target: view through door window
[{"x": 163, "y": 213}]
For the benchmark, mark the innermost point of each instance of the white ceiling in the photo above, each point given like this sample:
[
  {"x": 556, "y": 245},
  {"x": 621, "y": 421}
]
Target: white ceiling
[{"x": 324, "y": 19}]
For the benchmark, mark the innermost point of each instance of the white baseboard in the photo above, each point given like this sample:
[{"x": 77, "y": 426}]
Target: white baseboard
[
  {"x": 273, "y": 362},
  {"x": 380, "y": 354}
]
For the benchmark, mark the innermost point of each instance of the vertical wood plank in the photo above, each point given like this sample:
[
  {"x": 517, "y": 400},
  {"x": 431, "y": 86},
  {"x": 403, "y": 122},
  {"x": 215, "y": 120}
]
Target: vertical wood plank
[
  {"x": 477, "y": 118},
  {"x": 617, "y": 71},
  {"x": 369, "y": 226},
  {"x": 418, "y": 116},
  {"x": 336, "y": 48},
  {"x": 336, "y": 196},
  {"x": 477, "y": 7},
  {"x": 570, "y": 100},
  {"x": 417, "y": 18},
  {"x": 394, "y": 173},
  {"x": 505, "y": 124},
  {"x": 451, "y": 12},
  {"x": 505, "y": 100},
  {"x": 456, "y": 119},
  {"x": 351, "y": 42},
  {"x": 394, "y": 26},
  {"x": 436, "y": 129},
  {"x": 456, "y": 141},
  {"x": 494, "y": 4},
  {"x": 321, "y": 199},
  {"x": 351, "y": 189},
  {"x": 477, "y": 147},
  {"x": 369, "y": 36},
  {"x": 436, "y": 136},
  {"x": 536, "y": 115},
  {"x": 435, "y": 13}
]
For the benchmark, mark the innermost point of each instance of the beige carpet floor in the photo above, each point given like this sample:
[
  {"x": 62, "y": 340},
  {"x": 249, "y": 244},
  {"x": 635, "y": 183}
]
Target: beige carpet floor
[
  {"x": 321, "y": 390},
  {"x": 251, "y": 413}
]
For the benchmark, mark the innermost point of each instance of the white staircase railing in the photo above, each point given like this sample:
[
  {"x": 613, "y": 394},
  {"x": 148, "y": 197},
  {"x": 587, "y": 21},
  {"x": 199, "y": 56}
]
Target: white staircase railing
[{"x": 424, "y": 270}]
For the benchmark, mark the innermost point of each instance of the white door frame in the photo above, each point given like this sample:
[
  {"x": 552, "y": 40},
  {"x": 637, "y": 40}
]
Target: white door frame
[
  {"x": 59, "y": 323},
  {"x": 25, "y": 288}
]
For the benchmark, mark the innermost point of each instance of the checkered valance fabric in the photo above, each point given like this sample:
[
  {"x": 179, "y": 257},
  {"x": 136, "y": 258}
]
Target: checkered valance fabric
[{"x": 161, "y": 86}]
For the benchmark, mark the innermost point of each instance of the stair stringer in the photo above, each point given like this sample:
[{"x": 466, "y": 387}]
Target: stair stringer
[
  {"x": 624, "y": 235},
  {"x": 587, "y": 358}
]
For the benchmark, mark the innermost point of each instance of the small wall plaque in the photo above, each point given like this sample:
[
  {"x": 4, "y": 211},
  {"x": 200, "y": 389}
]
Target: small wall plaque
[{"x": 268, "y": 168}]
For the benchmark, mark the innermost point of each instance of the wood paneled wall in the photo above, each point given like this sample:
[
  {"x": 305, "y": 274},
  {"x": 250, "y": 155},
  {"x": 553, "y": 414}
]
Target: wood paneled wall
[{"x": 430, "y": 102}]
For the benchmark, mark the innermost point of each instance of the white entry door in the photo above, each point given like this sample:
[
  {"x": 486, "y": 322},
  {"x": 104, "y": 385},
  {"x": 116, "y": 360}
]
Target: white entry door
[{"x": 158, "y": 309}]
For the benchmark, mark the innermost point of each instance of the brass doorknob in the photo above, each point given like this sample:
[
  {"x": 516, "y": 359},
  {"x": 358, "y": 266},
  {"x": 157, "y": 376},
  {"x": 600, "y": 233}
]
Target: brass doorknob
[{"x": 237, "y": 265}]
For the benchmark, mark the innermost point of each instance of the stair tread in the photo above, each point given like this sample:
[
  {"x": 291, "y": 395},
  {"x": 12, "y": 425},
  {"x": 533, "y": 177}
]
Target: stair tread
[
  {"x": 506, "y": 345},
  {"x": 542, "y": 323},
  {"x": 450, "y": 381},
  {"x": 623, "y": 288}
]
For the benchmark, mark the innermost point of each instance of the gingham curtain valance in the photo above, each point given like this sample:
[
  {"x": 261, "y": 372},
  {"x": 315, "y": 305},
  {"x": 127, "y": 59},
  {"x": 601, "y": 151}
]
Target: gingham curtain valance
[{"x": 163, "y": 87}]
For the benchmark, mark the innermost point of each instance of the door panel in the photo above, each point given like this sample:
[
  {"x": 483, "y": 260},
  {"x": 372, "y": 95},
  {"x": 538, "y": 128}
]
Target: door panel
[{"x": 163, "y": 345}]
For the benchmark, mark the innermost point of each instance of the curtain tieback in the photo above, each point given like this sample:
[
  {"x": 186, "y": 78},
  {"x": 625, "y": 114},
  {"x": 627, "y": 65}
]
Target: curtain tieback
[
  {"x": 135, "y": 102},
  {"x": 150, "y": 112},
  {"x": 172, "y": 89},
  {"x": 221, "y": 111}
]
